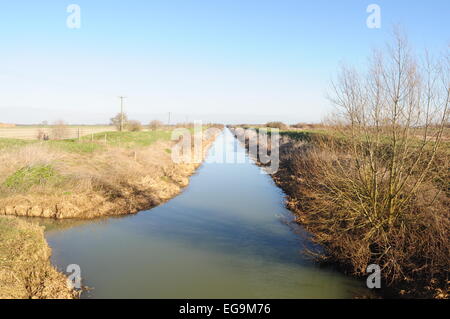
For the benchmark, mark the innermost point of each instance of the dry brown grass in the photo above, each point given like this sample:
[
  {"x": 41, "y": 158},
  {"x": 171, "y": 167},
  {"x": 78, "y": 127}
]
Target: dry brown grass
[
  {"x": 28, "y": 155},
  {"x": 155, "y": 124},
  {"x": 25, "y": 268},
  {"x": 278, "y": 125},
  {"x": 325, "y": 192},
  {"x": 308, "y": 126},
  {"x": 110, "y": 181},
  {"x": 134, "y": 126},
  {"x": 60, "y": 131}
]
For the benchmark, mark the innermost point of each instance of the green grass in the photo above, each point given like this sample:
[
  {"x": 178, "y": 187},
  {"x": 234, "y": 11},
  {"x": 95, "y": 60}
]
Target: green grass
[
  {"x": 69, "y": 145},
  {"x": 131, "y": 139},
  {"x": 74, "y": 146},
  {"x": 26, "y": 177},
  {"x": 13, "y": 142},
  {"x": 87, "y": 145},
  {"x": 94, "y": 143}
]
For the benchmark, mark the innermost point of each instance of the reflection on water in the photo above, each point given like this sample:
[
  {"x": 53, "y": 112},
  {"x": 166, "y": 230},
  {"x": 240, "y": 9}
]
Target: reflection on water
[{"x": 224, "y": 236}]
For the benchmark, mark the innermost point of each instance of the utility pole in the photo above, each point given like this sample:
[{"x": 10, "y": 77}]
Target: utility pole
[
  {"x": 168, "y": 122},
  {"x": 121, "y": 111}
]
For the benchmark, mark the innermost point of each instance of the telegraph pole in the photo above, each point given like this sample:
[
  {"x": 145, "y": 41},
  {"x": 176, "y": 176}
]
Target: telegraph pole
[{"x": 121, "y": 111}]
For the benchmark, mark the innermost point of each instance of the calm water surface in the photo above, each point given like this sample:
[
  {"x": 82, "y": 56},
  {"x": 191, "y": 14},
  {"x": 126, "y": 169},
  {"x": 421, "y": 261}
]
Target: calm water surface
[{"x": 226, "y": 236}]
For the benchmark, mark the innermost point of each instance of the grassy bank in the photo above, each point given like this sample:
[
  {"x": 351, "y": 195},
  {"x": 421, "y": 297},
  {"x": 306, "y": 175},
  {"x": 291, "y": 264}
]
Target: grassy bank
[
  {"x": 25, "y": 268},
  {"x": 109, "y": 173},
  {"x": 105, "y": 174},
  {"x": 326, "y": 191}
]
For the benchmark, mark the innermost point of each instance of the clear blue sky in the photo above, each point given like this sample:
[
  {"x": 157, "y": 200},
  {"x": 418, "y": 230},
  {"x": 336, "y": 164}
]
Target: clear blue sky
[{"x": 210, "y": 59}]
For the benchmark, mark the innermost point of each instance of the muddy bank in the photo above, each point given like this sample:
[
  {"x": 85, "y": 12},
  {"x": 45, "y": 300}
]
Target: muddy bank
[
  {"x": 25, "y": 268},
  {"x": 117, "y": 181}
]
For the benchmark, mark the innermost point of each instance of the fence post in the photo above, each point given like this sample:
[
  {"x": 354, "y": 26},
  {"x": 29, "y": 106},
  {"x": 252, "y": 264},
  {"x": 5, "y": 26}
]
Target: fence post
[
  {"x": 92, "y": 137},
  {"x": 79, "y": 135}
]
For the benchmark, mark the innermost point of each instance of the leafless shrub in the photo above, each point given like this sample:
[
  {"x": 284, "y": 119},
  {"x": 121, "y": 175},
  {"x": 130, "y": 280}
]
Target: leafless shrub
[
  {"x": 185, "y": 125},
  {"x": 378, "y": 189},
  {"x": 59, "y": 130},
  {"x": 119, "y": 121},
  {"x": 154, "y": 125},
  {"x": 42, "y": 135},
  {"x": 134, "y": 126},
  {"x": 278, "y": 125}
]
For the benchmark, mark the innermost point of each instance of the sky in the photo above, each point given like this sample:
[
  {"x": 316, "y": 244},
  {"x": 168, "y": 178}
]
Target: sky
[{"x": 230, "y": 61}]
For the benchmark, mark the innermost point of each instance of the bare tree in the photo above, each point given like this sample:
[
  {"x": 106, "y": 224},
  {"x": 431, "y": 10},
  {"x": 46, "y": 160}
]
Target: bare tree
[
  {"x": 154, "y": 125},
  {"x": 278, "y": 125},
  {"x": 59, "y": 130},
  {"x": 118, "y": 119},
  {"x": 134, "y": 126},
  {"x": 382, "y": 179}
]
